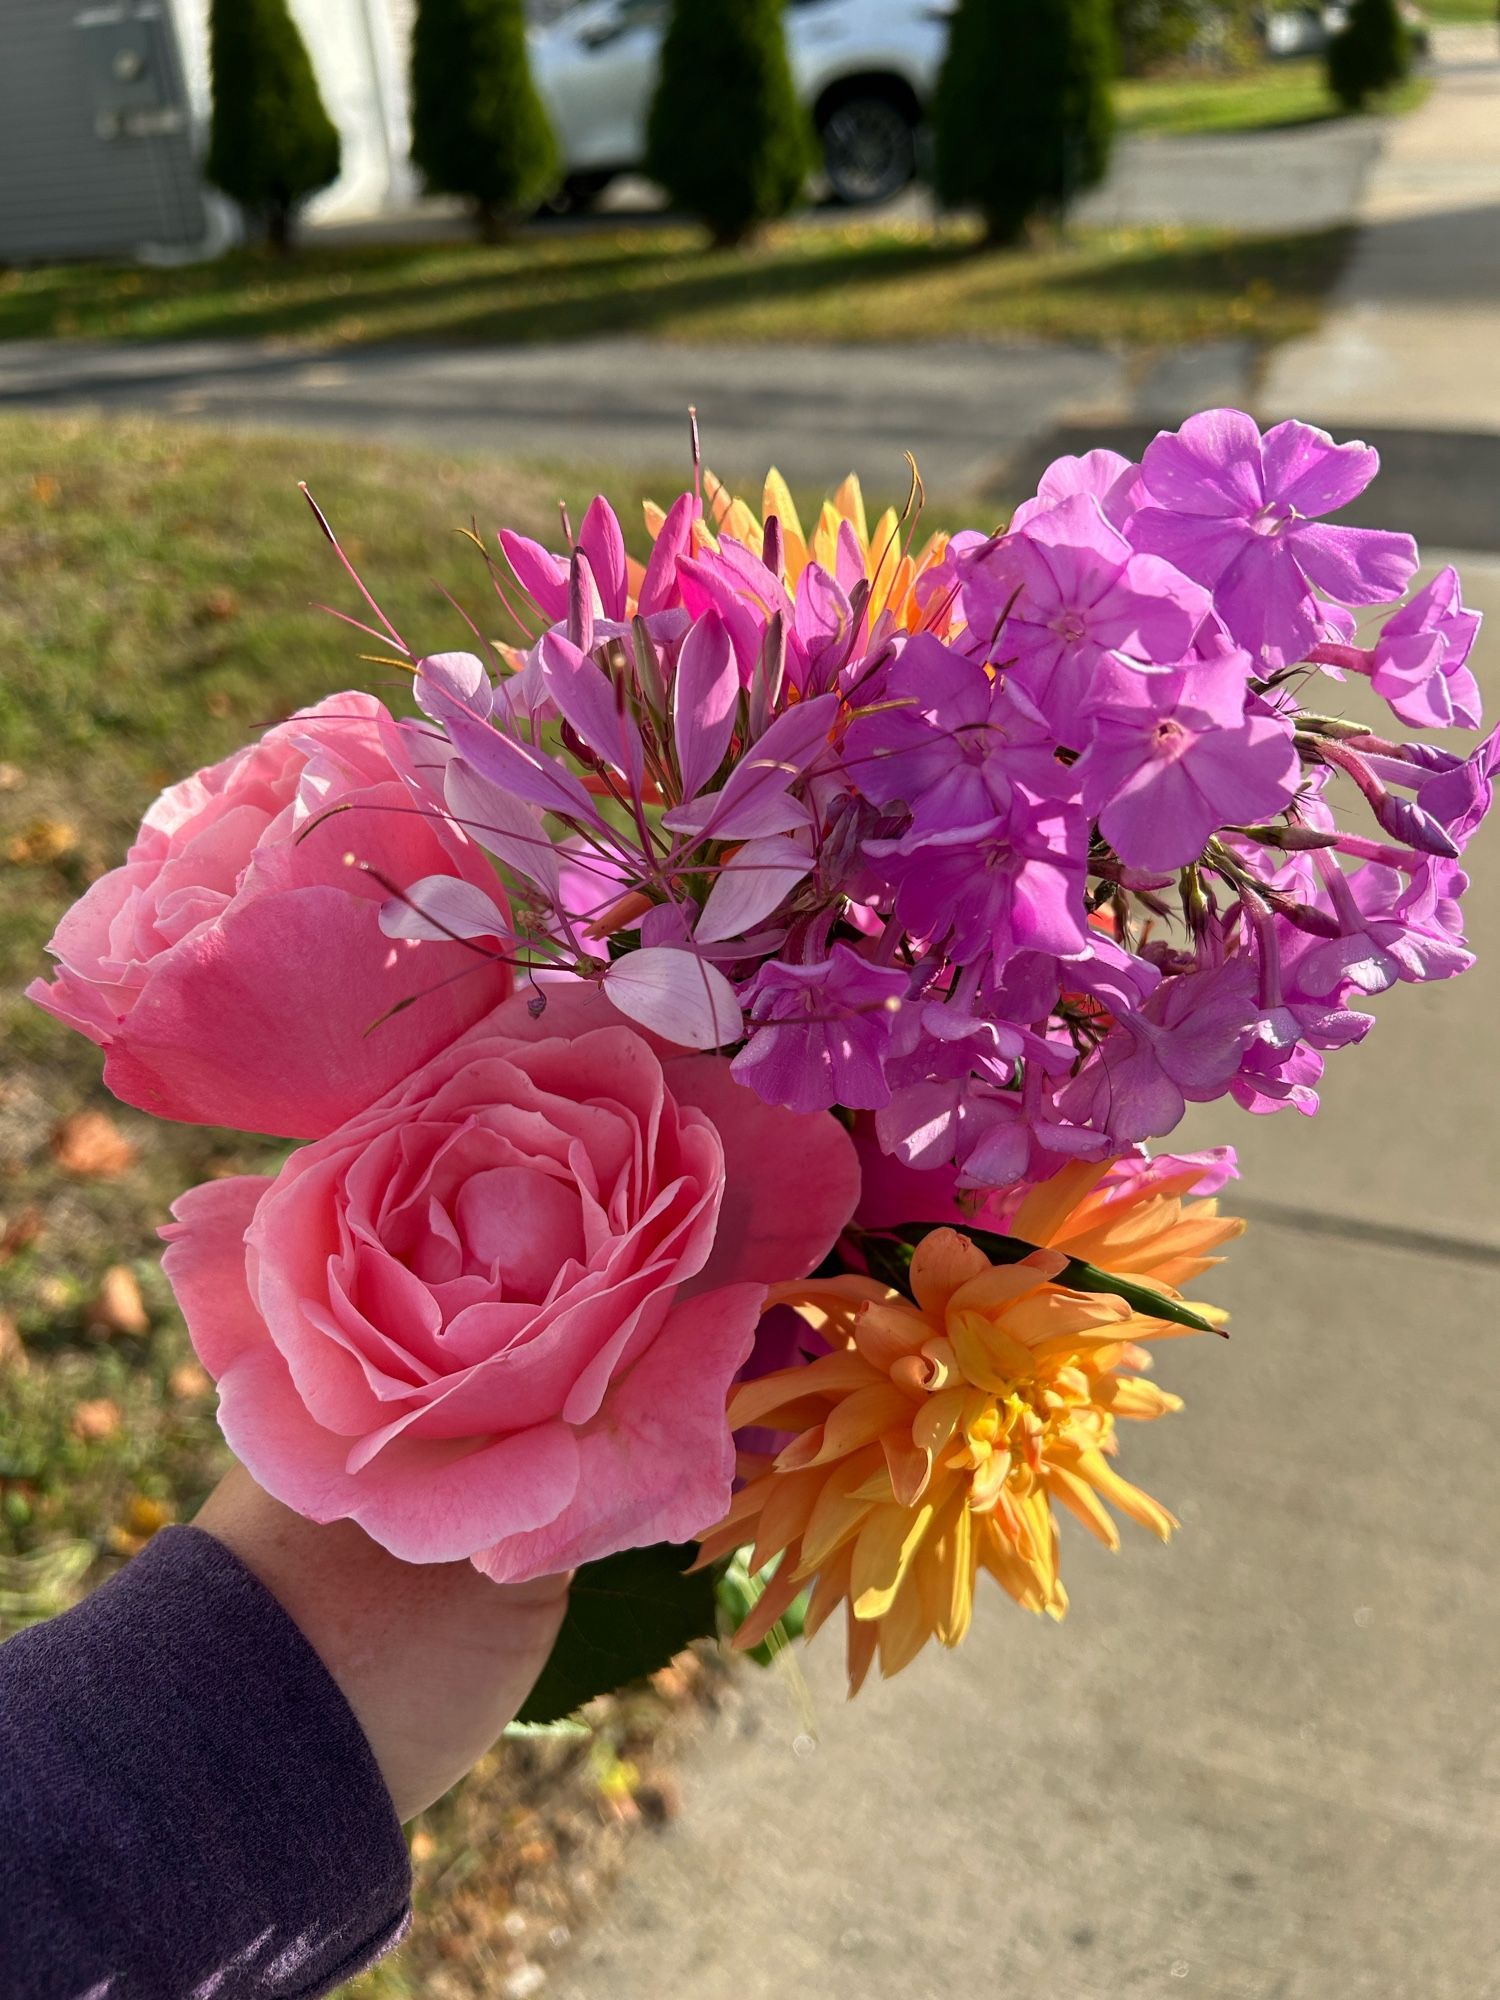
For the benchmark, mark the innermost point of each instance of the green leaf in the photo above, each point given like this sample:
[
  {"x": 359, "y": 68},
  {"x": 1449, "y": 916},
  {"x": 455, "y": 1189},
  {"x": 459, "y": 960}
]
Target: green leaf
[
  {"x": 627, "y": 1616},
  {"x": 1081, "y": 1276},
  {"x": 739, "y": 1592}
]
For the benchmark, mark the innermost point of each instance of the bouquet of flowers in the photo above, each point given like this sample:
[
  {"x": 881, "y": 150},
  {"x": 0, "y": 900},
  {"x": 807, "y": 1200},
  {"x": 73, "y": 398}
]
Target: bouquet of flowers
[{"x": 727, "y": 1029}]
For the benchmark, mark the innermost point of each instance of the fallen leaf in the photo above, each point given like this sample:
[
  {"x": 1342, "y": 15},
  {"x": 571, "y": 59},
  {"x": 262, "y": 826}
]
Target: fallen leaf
[
  {"x": 12, "y": 777},
  {"x": 187, "y": 1380},
  {"x": 118, "y": 1306},
  {"x": 19, "y": 1233},
  {"x": 45, "y": 840},
  {"x": 12, "y": 1353},
  {"x": 91, "y": 1145},
  {"x": 45, "y": 490},
  {"x": 144, "y": 1516},
  {"x": 96, "y": 1420}
]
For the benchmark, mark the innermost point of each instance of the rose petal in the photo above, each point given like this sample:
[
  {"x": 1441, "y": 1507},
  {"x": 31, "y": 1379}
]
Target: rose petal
[
  {"x": 204, "y": 1263},
  {"x": 423, "y": 1502},
  {"x": 791, "y": 1178},
  {"x": 280, "y": 1019},
  {"x": 657, "y": 1463}
]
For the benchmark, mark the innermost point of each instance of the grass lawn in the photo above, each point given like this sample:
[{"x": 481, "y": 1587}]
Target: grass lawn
[
  {"x": 847, "y": 283},
  {"x": 157, "y": 610},
  {"x": 1459, "y": 10},
  {"x": 1273, "y": 96}
]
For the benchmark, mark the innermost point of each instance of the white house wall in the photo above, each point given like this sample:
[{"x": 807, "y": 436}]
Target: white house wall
[{"x": 359, "y": 53}]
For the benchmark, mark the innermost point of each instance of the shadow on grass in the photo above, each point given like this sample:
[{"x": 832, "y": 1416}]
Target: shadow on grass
[{"x": 544, "y": 291}]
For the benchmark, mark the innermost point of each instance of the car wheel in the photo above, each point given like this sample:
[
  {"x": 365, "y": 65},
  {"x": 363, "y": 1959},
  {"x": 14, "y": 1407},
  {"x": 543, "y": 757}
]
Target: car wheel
[
  {"x": 578, "y": 193},
  {"x": 869, "y": 149}
]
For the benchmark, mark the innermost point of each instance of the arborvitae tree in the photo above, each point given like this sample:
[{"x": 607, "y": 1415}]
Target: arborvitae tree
[
  {"x": 727, "y": 137},
  {"x": 270, "y": 144},
  {"x": 478, "y": 127},
  {"x": 1369, "y": 54},
  {"x": 1023, "y": 116}
]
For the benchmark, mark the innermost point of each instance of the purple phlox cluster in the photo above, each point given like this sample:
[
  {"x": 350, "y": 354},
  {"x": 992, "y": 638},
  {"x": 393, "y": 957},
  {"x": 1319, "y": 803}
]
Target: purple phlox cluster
[{"x": 1015, "y": 859}]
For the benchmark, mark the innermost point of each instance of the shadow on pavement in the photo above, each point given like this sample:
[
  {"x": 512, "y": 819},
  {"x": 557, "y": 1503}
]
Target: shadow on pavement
[{"x": 1447, "y": 480}]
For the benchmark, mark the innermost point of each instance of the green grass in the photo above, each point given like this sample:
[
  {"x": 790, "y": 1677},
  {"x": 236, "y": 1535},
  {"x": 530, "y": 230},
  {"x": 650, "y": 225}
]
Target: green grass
[
  {"x": 156, "y": 610},
  {"x": 846, "y": 284},
  {"x": 1273, "y": 96},
  {"x": 1460, "y": 10}
]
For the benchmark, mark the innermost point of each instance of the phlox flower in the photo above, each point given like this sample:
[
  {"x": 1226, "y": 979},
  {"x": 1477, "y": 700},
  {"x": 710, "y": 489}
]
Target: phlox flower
[
  {"x": 1054, "y": 600},
  {"x": 1114, "y": 482},
  {"x": 1185, "y": 1044},
  {"x": 1172, "y": 756},
  {"x": 819, "y": 1033},
  {"x": 1242, "y": 514},
  {"x": 1394, "y": 928},
  {"x": 1006, "y": 884},
  {"x": 1418, "y": 662},
  {"x": 947, "y": 739}
]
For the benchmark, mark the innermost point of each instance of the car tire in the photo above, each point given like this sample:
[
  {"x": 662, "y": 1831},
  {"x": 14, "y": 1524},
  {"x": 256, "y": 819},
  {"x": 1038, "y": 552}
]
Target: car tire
[
  {"x": 869, "y": 149},
  {"x": 578, "y": 193}
]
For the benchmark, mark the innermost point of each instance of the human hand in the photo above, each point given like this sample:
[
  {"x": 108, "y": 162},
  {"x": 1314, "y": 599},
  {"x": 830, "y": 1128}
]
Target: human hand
[{"x": 433, "y": 1658}]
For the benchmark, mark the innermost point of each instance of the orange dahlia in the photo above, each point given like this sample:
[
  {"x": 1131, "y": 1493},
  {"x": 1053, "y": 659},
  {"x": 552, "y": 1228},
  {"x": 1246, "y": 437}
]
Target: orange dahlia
[{"x": 941, "y": 1431}]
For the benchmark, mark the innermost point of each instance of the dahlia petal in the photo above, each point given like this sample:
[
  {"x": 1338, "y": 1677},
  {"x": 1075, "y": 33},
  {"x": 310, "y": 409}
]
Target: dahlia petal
[
  {"x": 942, "y": 1263},
  {"x": 883, "y": 1555}
]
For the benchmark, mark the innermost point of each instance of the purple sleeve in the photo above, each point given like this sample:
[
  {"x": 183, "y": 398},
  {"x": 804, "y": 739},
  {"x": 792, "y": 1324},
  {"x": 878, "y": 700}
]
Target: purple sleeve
[{"x": 187, "y": 1804}]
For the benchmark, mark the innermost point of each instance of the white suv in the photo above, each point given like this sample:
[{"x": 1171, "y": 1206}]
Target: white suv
[{"x": 865, "y": 69}]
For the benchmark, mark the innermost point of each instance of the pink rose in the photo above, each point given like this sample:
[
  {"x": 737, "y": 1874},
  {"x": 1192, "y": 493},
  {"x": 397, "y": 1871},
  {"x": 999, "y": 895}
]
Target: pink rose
[
  {"x": 497, "y": 1314},
  {"x": 236, "y": 974}
]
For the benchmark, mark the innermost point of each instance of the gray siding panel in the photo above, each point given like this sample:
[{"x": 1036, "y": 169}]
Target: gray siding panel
[{"x": 93, "y": 160}]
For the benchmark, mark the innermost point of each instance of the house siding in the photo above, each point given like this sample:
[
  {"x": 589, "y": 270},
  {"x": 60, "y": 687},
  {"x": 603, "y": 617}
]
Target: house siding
[{"x": 93, "y": 160}]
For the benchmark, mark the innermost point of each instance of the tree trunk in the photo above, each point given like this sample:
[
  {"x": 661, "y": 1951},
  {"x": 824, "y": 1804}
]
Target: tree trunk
[
  {"x": 492, "y": 220},
  {"x": 279, "y": 231},
  {"x": 1003, "y": 232},
  {"x": 736, "y": 236}
]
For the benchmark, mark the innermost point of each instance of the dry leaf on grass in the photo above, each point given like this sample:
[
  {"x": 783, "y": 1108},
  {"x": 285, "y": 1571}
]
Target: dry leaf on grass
[
  {"x": 188, "y": 1380},
  {"x": 91, "y": 1145},
  {"x": 20, "y": 1232},
  {"x": 45, "y": 840},
  {"x": 118, "y": 1306},
  {"x": 96, "y": 1420},
  {"x": 12, "y": 1353}
]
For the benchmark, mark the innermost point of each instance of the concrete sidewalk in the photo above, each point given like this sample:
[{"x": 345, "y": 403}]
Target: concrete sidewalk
[
  {"x": 1413, "y": 333},
  {"x": 1259, "y": 1765}
]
